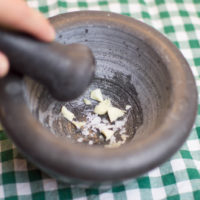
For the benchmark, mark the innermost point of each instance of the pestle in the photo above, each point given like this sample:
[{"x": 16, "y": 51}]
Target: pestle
[{"x": 66, "y": 70}]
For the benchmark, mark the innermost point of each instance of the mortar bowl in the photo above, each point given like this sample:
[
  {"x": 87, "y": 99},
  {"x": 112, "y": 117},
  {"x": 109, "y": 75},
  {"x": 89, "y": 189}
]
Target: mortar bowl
[{"x": 135, "y": 65}]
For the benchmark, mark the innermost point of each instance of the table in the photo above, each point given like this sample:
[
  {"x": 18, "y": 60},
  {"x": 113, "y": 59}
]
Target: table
[{"x": 179, "y": 177}]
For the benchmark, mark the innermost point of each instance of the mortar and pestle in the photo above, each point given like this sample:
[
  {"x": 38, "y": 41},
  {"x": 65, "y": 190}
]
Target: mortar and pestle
[{"x": 135, "y": 65}]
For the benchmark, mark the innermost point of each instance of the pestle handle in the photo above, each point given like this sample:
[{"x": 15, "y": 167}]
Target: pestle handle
[{"x": 66, "y": 70}]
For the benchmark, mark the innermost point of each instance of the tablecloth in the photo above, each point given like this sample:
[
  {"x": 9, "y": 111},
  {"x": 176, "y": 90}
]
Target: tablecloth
[{"x": 179, "y": 177}]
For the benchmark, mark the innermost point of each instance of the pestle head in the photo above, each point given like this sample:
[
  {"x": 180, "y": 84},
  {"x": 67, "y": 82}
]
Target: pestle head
[{"x": 72, "y": 79}]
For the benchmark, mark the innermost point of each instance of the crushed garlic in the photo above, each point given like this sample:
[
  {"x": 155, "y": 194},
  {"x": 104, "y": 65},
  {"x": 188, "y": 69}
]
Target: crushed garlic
[{"x": 105, "y": 128}]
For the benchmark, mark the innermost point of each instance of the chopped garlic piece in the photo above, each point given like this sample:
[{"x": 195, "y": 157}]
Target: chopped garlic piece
[
  {"x": 87, "y": 102},
  {"x": 96, "y": 95},
  {"x": 80, "y": 140},
  {"x": 78, "y": 124},
  {"x": 124, "y": 137},
  {"x": 67, "y": 114},
  {"x": 128, "y": 107},
  {"x": 114, "y": 113},
  {"x": 113, "y": 145},
  {"x": 108, "y": 133},
  {"x": 102, "y": 107},
  {"x": 90, "y": 142}
]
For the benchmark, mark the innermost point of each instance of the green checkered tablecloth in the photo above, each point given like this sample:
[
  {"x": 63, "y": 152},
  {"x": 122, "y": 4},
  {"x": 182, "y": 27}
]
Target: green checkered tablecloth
[{"x": 179, "y": 177}]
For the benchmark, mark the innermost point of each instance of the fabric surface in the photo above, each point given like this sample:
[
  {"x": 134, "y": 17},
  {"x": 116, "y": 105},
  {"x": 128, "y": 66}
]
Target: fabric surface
[{"x": 179, "y": 177}]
